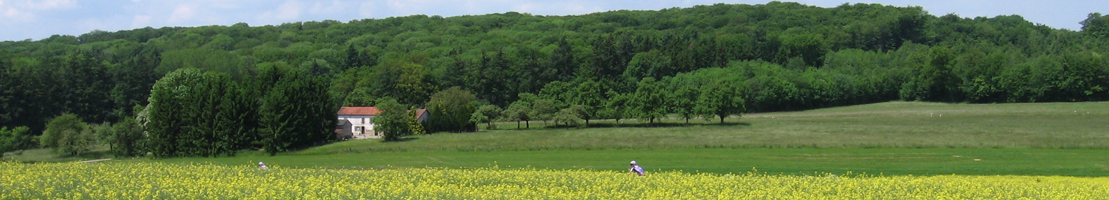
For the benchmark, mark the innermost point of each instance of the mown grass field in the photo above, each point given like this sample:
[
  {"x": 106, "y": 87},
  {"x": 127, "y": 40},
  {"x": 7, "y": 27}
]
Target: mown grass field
[
  {"x": 789, "y": 161},
  {"x": 893, "y": 138},
  {"x": 882, "y": 125}
]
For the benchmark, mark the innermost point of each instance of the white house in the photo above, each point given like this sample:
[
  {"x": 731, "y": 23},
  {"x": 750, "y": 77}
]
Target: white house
[
  {"x": 360, "y": 120},
  {"x": 357, "y": 122}
]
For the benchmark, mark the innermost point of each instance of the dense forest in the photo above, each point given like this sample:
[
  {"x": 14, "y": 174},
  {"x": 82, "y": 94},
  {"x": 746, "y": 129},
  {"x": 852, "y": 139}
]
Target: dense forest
[{"x": 610, "y": 65}]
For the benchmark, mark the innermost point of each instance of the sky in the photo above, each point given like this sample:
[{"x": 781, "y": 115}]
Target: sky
[{"x": 38, "y": 19}]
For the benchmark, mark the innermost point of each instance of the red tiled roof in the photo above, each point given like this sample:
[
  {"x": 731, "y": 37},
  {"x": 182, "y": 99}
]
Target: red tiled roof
[
  {"x": 371, "y": 111},
  {"x": 420, "y": 113},
  {"x": 358, "y": 111}
]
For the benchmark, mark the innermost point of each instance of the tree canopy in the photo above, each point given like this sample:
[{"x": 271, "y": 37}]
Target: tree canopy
[{"x": 779, "y": 55}]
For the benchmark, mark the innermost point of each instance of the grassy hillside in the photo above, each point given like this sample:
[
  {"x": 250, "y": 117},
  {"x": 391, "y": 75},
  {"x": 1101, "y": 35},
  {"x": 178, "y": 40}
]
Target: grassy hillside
[{"x": 892, "y": 124}]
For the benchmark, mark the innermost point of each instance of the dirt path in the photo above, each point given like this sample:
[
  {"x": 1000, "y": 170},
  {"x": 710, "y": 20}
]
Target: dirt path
[{"x": 97, "y": 160}]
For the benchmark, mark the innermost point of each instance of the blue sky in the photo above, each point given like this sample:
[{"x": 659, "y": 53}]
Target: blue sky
[{"x": 37, "y": 19}]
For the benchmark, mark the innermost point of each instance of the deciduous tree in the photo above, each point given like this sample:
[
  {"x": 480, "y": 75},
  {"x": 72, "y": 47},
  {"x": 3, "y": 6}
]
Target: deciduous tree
[
  {"x": 391, "y": 122},
  {"x": 68, "y": 135}
]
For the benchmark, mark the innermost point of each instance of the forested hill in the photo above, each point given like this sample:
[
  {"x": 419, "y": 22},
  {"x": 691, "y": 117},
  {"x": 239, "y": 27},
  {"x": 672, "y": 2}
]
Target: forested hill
[{"x": 780, "y": 56}]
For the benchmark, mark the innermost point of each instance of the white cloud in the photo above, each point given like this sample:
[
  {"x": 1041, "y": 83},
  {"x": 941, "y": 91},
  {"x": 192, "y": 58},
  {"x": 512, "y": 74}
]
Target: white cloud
[
  {"x": 140, "y": 21},
  {"x": 25, "y": 10},
  {"x": 400, "y": 6},
  {"x": 16, "y": 14},
  {"x": 50, "y": 4},
  {"x": 320, "y": 8},
  {"x": 290, "y": 10},
  {"x": 182, "y": 13},
  {"x": 366, "y": 9}
]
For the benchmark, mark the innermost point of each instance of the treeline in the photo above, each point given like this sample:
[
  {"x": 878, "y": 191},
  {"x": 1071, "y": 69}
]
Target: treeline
[
  {"x": 208, "y": 114},
  {"x": 777, "y": 56}
]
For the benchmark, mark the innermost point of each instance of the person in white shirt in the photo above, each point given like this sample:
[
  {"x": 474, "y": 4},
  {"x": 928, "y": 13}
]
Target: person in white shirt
[{"x": 636, "y": 169}]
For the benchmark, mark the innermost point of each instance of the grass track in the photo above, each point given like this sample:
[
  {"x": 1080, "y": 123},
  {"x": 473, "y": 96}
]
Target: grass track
[{"x": 887, "y": 161}]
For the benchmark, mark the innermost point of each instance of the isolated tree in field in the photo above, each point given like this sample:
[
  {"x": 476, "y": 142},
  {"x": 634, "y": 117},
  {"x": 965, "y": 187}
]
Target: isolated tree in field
[
  {"x": 559, "y": 93},
  {"x": 392, "y": 120},
  {"x": 649, "y": 101},
  {"x": 721, "y": 99},
  {"x": 544, "y": 108},
  {"x": 616, "y": 106},
  {"x": 540, "y": 107},
  {"x": 15, "y": 139},
  {"x": 68, "y": 135},
  {"x": 519, "y": 111},
  {"x": 683, "y": 98},
  {"x": 570, "y": 116},
  {"x": 487, "y": 114},
  {"x": 451, "y": 110},
  {"x": 589, "y": 95}
]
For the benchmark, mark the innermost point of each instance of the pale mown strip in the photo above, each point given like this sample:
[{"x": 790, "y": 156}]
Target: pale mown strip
[{"x": 112, "y": 180}]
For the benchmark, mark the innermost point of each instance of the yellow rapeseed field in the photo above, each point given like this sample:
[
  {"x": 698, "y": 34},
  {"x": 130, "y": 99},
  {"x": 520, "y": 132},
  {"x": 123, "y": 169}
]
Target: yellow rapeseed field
[{"x": 152, "y": 180}]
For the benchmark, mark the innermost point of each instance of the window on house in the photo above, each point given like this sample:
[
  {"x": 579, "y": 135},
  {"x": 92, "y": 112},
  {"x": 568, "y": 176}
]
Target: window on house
[{"x": 358, "y": 128}]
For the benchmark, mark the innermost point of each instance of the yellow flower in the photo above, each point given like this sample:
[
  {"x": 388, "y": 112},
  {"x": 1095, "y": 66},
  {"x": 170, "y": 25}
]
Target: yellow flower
[{"x": 152, "y": 180}]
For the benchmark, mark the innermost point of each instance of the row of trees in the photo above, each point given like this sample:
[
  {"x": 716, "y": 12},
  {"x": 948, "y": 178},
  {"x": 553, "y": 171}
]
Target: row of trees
[
  {"x": 208, "y": 114},
  {"x": 690, "y": 95},
  {"x": 34, "y": 90},
  {"x": 68, "y": 135}
]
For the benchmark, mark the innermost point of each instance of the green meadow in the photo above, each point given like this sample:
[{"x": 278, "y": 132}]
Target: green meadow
[{"x": 893, "y": 138}]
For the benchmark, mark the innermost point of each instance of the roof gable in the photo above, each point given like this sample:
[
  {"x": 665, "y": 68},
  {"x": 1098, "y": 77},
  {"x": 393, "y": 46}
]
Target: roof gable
[{"x": 420, "y": 113}]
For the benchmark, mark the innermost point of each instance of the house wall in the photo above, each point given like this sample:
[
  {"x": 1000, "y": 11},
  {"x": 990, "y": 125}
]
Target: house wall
[{"x": 361, "y": 125}]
